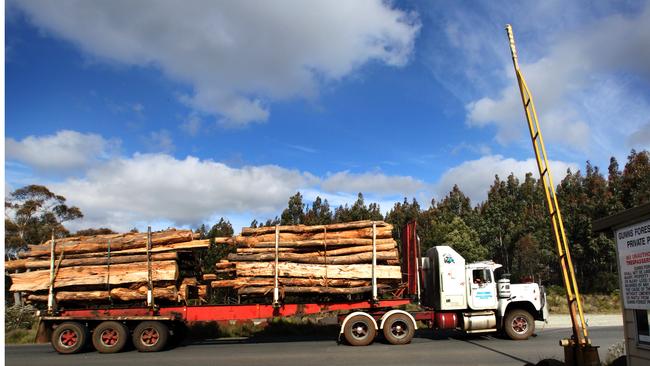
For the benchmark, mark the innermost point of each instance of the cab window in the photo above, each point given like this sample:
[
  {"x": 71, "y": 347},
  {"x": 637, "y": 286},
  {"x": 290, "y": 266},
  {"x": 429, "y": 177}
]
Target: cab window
[{"x": 482, "y": 276}]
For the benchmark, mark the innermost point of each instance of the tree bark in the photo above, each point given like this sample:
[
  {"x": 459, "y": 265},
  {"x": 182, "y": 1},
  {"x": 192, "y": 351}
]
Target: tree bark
[
  {"x": 316, "y": 258},
  {"x": 340, "y": 271},
  {"x": 381, "y": 232},
  {"x": 99, "y": 243},
  {"x": 310, "y": 282},
  {"x": 38, "y": 264},
  {"x": 123, "y": 294},
  {"x": 94, "y": 275},
  {"x": 305, "y": 290},
  {"x": 329, "y": 242}
]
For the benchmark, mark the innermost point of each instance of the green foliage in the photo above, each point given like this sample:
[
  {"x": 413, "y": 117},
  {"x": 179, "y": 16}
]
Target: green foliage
[
  {"x": 215, "y": 252},
  {"x": 294, "y": 214},
  {"x": 91, "y": 231},
  {"x": 19, "y": 317},
  {"x": 32, "y": 214},
  {"x": 464, "y": 240}
]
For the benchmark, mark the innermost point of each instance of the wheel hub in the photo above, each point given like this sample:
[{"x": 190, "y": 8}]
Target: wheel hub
[
  {"x": 68, "y": 338},
  {"x": 399, "y": 329},
  {"x": 109, "y": 337},
  {"x": 520, "y": 324},
  {"x": 150, "y": 336},
  {"x": 360, "y": 330}
]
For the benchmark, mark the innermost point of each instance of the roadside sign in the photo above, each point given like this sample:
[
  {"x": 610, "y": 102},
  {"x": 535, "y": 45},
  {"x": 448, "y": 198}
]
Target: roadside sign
[{"x": 633, "y": 245}]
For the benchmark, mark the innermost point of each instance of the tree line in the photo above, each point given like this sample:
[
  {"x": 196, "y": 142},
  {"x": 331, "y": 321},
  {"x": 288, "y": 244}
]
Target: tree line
[{"x": 511, "y": 227}]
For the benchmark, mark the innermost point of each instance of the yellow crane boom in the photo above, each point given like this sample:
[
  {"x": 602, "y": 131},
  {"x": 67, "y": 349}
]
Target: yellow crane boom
[{"x": 580, "y": 345}]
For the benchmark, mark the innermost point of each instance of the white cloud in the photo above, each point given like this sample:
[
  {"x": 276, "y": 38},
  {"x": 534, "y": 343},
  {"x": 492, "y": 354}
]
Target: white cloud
[
  {"x": 474, "y": 177},
  {"x": 64, "y": 151},
  {"x": 588, "y": 86},
  {"x": 238, "y": 57},
  {"x": 377, "y": 183},
  {"x": 157, "y": 187}
]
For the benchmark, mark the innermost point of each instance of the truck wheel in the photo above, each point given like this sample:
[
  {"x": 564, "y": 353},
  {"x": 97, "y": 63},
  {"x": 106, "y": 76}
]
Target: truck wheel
[
  {"x": 399, "y": 329},
  {"x": 69, "y": 337},
  {"x": 110, "y": 337},
  {"x": 359, "y": 331},
  {"x": 519, "y": 324},
  {"x": 150, "y": 336}
]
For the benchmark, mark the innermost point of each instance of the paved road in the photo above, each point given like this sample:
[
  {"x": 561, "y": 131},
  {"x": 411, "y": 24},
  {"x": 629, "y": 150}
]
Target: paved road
[{"x": 427, "y": 348}]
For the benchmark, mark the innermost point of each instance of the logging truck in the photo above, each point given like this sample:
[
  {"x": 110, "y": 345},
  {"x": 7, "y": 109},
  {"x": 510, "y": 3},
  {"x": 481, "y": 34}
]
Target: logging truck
[{"x": 450, "y": 294}]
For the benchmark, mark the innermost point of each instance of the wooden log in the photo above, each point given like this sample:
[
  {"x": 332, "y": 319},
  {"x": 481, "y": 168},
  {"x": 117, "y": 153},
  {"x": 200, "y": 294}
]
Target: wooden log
[
  {"x": 99, "y": 243},
  {"x": 306, "y": 290},
  {"x": 246, "y": 250},
  {"x": 190, "y": 281},
  {"x": 16, "y": 264},
  {"x": 71, "y": 296},
  {"x": 94, "y": 275},
  {"x": 314, "y": 228},
  {"x": 165, "y": 293},
  {"x": 329, "y": 242},
  {"x": 381, "y": 232},
  {"x": 322, "y": 252},
  {"x": 346, "y": 271},
  {"x": 194, "y": 244},
  {"x": 209, "y": 277},
  {"x": 315, "y": 258},
  {"x": 123, "y": 294},
  {"x": 224, "y": 265},
  {"x": 37, "y": 264},
  {"x": 310, "y": 282}
]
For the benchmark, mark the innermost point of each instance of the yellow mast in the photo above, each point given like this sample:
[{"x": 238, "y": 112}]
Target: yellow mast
[{"x": 580, "y": 332}]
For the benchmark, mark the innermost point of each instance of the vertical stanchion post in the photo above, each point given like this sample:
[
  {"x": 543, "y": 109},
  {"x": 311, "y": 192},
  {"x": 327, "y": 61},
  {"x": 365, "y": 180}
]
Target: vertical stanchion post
[
  {"x": 108, "y": 272},
  {"x": 50, "y": 295},
  {"x": 374, "y": 261},
  {"x": 276, "y": 292},
  {"x": 150, "y": 302}
]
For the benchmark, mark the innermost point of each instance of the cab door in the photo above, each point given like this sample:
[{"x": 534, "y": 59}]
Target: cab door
[{"x": 482, "y": 289}]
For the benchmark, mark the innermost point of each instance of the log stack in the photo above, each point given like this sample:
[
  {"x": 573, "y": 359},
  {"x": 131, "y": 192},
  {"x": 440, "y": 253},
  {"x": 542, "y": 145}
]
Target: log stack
[
  {"x": 110, "y": 268},
  {"x": 331, "y": 259}
]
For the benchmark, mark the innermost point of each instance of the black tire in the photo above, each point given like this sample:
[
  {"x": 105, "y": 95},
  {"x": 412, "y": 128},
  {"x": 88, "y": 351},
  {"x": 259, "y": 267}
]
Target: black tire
[
  {"x": 69, "y": 337},
  {"x": 110, "y": 337},
  {"x": 150, "y": 336},
  {"x": 359, "y": 331},
  {"x": 519, "y": 324},
  {"x": 399, "y": 329}
]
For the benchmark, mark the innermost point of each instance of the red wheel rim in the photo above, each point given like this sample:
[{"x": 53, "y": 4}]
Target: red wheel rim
[
  {"x": 68, "y": 338},
  {"x": 109, "y": 337},
  {"x": 149, "y": 336}
]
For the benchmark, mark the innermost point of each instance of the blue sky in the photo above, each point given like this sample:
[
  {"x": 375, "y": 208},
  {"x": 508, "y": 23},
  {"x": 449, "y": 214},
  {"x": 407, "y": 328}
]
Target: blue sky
[{"x": 171, "y": 114}]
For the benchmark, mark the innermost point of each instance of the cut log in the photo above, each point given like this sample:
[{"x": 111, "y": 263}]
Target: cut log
[
  {"x": 310, "y": 282},
  {"x": 37, "y": 264},
  {"x": 255, "y": 250},
  {"x": 381, "y": 232},
  {"x": 69, "y": 296},
  {"x": 315, "y": 258},
  {"x": 99, "y": 243},
  {"x": 94, "y": 275},
  {"x": 314, "y": 228},
  {"x": 306, "y": 290},
  {"x": 330, "y": 242},
  {"x": 124, "y": 294},
  {"x": 345, "y": 271},
  {"x": 209, "y": 277},
  {"x": 224, "y": 265}
]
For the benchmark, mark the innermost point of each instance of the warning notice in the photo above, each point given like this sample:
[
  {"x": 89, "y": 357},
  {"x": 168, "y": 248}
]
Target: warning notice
[{"x": 633, "y": 244}]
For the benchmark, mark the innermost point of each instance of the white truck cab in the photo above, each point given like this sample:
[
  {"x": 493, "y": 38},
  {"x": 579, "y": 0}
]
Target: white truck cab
[{"x": 482, "y": 302}]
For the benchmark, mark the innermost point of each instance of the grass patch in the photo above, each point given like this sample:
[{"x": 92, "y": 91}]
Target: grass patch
[
  {"x": 20, "y": 336},
  {"x": 592, "y": 303}
]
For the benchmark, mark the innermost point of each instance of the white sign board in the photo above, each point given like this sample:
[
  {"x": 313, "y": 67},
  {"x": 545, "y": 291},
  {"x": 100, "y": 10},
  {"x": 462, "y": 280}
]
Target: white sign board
[{"x": 633, "y": 243}]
